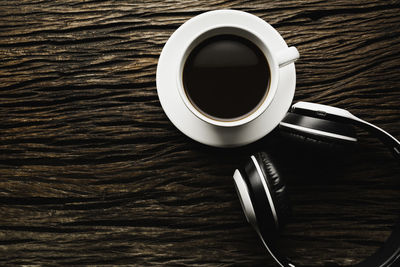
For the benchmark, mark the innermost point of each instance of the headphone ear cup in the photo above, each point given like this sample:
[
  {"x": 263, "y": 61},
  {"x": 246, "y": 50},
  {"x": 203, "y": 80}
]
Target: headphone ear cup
[
  {"x": 277, "y": 186},
  {"x": 310, "y": 140},
  {"x": 316, "y": 132},
  {"x": 267, "y": 192}
]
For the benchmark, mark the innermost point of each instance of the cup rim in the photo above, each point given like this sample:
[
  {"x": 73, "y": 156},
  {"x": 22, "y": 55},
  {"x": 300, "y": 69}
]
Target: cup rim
[{"x": 271, "y": 90}]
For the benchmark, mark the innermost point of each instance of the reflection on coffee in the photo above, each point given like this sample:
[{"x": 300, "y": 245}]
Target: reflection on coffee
[{"x": 226, "y": 77}]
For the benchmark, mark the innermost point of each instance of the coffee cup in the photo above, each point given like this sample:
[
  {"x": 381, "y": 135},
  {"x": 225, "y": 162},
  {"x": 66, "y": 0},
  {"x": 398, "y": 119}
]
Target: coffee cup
[
  {"x": 226, "y": 78},
  {"x": 228, "y": 75}
]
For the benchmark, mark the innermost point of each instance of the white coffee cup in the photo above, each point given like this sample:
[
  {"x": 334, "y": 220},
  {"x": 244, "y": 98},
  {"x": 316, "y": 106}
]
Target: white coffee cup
[
  {"x": 245, "y": 129},
  {"x": 275, "y": 61}
]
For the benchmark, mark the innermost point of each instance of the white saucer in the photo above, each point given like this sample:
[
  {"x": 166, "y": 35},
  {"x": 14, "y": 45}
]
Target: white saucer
[{"x": 190, "y": 124}]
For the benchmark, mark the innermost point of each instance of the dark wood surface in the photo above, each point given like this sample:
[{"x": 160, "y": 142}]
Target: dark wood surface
[{"x": 93, "y": 172}]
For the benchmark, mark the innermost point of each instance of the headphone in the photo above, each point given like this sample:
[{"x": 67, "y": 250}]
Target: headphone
[{"x": 262, "y": 191}]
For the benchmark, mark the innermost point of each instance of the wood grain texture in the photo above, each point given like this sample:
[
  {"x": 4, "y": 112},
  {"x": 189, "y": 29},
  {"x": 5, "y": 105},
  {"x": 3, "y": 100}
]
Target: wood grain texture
[{"x": 92, "y": 172}]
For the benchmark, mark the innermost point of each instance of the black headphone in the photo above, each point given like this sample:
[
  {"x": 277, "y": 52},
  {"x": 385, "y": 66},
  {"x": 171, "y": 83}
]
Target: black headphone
[{"x": 262, "y": 191}]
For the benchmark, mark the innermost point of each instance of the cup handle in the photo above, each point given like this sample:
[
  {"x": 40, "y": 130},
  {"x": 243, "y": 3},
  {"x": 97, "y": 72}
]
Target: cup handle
[{"x": 287, "y": 56}]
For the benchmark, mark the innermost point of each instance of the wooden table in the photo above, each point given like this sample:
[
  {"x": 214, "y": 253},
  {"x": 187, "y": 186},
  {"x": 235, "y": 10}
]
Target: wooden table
[{"x": 93, "y": 172}]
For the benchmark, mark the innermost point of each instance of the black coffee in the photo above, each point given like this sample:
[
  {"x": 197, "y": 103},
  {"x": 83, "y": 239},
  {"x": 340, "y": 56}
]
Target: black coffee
[{"x": 226, "y": 77}]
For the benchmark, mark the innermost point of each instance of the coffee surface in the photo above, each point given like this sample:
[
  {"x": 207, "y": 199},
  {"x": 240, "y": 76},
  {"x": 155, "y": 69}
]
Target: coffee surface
[{"x": 226, "y": 77}]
